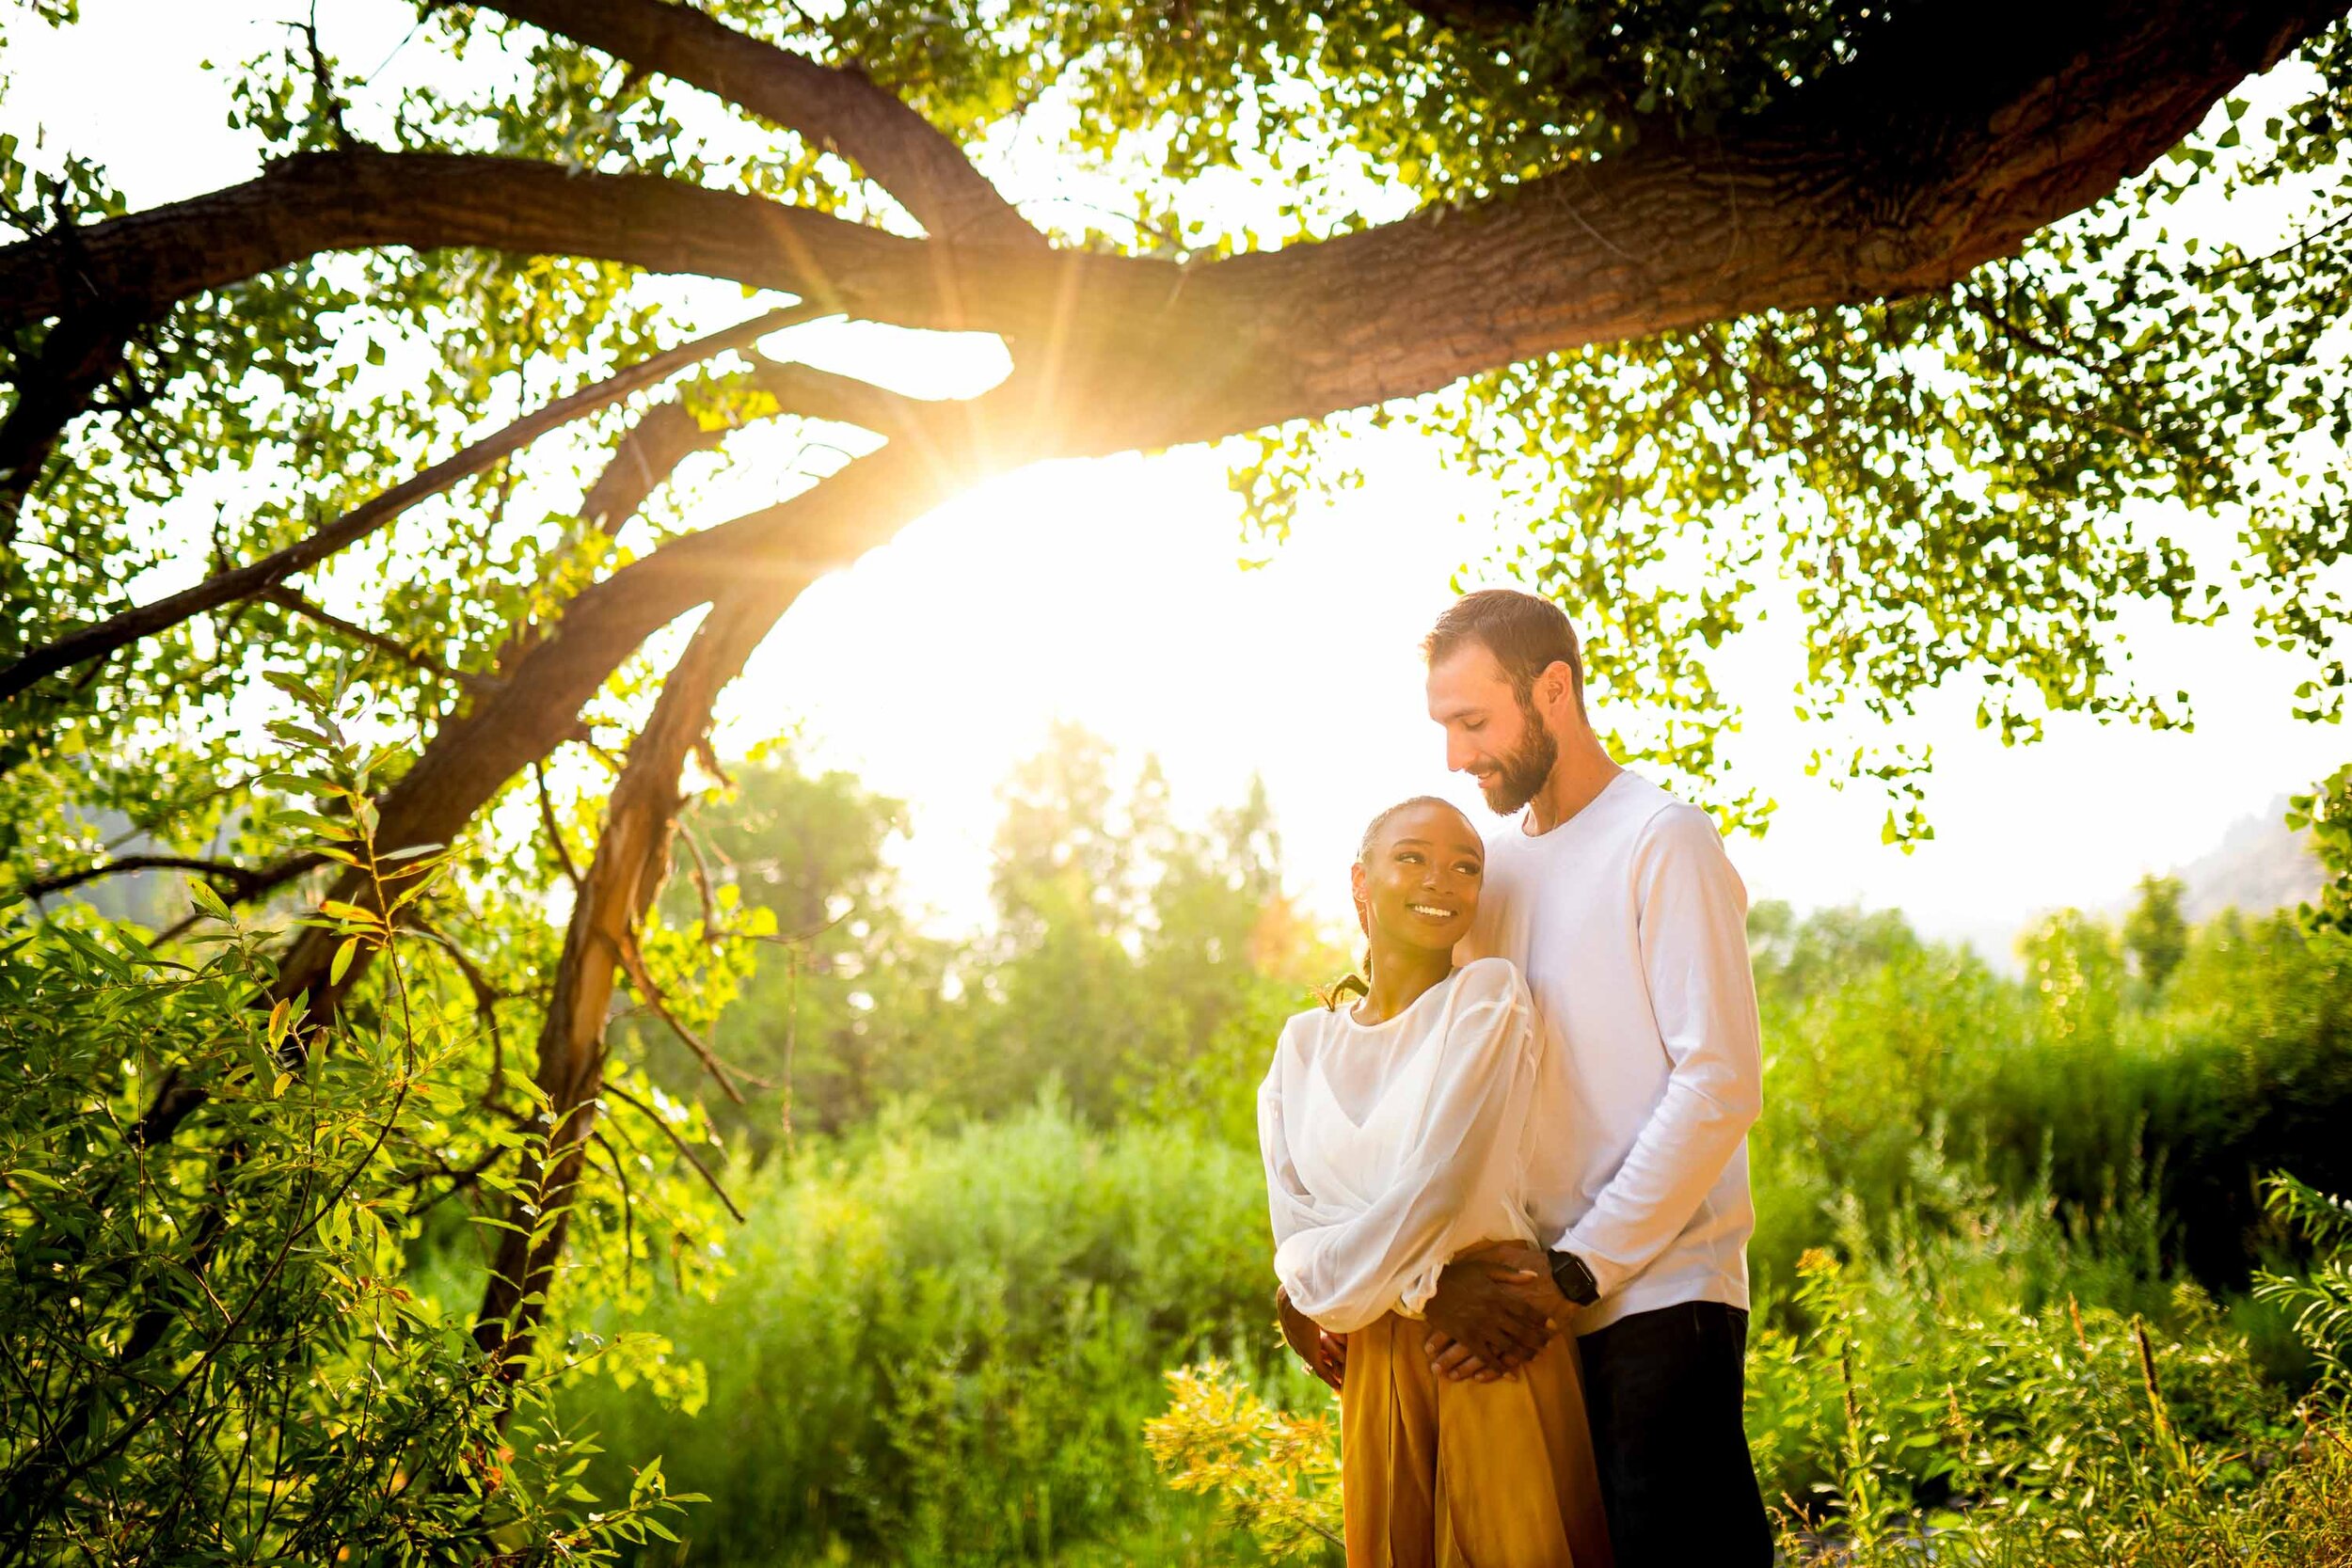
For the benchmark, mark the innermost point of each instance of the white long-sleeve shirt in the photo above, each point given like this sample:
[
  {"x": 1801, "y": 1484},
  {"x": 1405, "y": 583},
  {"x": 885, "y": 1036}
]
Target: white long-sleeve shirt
[
  {"x": 1391, "y": 1147},
  {"x": 1630, "y": 927}
]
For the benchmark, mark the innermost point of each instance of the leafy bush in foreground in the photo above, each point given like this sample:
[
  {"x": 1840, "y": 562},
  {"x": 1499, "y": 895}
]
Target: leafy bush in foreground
[{"x": 210, "y": 1354}]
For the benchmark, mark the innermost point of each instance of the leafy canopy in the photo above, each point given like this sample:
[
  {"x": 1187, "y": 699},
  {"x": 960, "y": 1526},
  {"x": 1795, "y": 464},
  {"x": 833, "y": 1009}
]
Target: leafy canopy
[{"x": 1961, "y": 489}]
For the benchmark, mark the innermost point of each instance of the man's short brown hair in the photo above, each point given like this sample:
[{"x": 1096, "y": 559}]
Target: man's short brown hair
[{"x": 1527, "y": 636}]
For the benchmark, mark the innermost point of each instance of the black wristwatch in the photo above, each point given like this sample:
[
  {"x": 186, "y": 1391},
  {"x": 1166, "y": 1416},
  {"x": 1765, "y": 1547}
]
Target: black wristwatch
[{"x": 1574, "y": 1280}]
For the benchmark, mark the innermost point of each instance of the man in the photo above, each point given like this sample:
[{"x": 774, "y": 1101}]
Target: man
[{"x": 1620, "y": 906}]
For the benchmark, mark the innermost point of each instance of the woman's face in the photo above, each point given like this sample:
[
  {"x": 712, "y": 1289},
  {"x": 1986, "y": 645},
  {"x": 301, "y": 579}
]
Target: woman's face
[{"x": 1419, "y": 885}]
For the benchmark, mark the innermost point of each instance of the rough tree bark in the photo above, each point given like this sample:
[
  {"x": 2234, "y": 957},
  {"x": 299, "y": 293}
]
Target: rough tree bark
[
  {"x": 632, "y": 858},
  {"x": 834, "y": 107}
]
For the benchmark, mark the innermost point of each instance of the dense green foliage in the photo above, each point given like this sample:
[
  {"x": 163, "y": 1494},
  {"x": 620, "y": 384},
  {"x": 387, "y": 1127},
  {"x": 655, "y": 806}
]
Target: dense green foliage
[
  {"x": 1896, "y": 1063},
  {"x": 1976, "y": 1194},
  {"x": 942, "y": 1348},
  {"x": 211, "y": 1354}
]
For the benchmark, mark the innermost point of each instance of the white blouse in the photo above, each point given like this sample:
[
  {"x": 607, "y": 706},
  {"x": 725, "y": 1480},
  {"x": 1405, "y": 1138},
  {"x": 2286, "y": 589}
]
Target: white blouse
[{"x": 1391, "y": 1147}]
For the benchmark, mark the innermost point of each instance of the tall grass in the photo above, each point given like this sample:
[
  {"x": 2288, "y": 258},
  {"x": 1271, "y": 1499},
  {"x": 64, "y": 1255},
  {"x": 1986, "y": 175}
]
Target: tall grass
[
  {"x": 2005, "y": 1228},
  {"x": 940, "y": 1348}
]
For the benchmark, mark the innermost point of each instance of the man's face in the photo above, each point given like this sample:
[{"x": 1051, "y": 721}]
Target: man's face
[{"x": 1489, "y": 733}]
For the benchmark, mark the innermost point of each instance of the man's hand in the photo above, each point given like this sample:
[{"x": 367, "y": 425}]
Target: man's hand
[
  {"x": 1325, "y": 1354},
  {"x": 1495, "y": 1310}
]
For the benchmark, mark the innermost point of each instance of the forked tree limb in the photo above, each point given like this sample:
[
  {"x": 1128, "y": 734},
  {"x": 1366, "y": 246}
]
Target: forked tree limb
[
  {"x": 257, "y": 577},
  {"x": 664, "y": 436},
  {"x": 443, "y": 775},
  {"x": 632, "y": 857},
  {"x": 830, "y": 107},
  {"x": 534, "y": 706}
]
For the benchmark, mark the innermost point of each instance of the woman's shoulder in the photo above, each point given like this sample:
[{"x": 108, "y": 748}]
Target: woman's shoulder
[
  {"x": 1302, "y": 1029},
  {"x": 1490, "y": 977}
]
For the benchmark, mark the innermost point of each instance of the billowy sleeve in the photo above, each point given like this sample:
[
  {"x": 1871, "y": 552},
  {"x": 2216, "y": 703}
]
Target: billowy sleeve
[
  {"x": 1694, "y": 960},
  {"x": 1293, "y": 1208},
  {"x": 1344, "y": 1267}
]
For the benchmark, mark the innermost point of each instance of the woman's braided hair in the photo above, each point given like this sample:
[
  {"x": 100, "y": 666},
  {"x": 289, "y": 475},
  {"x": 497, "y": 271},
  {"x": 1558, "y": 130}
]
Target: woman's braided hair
[{"x": 1359, "y": 983}]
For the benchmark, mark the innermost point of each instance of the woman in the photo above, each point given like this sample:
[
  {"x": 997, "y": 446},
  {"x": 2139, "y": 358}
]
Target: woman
[{"x": 1394, "y": 1133}]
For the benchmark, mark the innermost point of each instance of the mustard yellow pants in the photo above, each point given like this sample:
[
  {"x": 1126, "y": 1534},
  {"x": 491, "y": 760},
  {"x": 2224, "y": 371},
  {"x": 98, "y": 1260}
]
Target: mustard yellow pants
[{"x": 1437, "y": 1474}]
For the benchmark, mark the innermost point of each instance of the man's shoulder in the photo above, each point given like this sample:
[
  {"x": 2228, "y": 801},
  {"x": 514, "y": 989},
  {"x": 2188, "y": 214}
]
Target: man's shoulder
[
  {"x": 1648, "y": 812},
  {"x": 1675, "y": 825}
]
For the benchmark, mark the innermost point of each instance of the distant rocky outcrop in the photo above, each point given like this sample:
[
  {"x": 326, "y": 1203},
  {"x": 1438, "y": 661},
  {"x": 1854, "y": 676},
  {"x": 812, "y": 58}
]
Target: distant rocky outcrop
[{"x": 2260, "y": 866}]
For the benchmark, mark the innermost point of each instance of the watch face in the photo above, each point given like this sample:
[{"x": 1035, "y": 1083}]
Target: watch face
[{"x": 1574, "y": 1280}]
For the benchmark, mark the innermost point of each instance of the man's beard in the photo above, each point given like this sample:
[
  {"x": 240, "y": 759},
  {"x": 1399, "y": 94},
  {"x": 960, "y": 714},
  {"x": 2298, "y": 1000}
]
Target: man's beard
[{"x": 1522, "y": 773}]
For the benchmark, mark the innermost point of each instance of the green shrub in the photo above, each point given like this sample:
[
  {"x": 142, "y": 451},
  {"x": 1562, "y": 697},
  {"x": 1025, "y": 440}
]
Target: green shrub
[
  {"x": 212, "y": 1351},
  {"x": 942, "y": 1347},
  {"x": 1892, "y": 1064}
]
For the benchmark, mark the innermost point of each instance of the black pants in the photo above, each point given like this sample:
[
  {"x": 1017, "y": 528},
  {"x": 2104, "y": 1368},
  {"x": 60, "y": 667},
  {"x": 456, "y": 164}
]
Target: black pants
[{"x": 1662, "y": 1390}]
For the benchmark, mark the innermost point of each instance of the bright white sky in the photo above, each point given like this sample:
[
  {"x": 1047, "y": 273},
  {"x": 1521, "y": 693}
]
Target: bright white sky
[{"x": 1108, "y": 592}]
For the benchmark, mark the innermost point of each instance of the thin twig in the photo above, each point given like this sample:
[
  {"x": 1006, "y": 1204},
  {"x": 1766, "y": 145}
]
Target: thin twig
[
  {"x": 555, "y": 834},
  {"x": 2292, "y": 245},
  {"x": 628, "y": 1206},
  {"x": 241, "y": 878},
  {"x": 680, "y": 1143},
  {"x": 711, "y": 934},
  {"x": 633, "y": 960},
  {"x": 485, "y": 997},
  {"x": 286, "y": 599}
]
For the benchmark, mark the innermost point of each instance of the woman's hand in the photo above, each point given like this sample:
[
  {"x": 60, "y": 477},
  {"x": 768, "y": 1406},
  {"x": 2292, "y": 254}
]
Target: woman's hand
[{"x": 1325, "y": 1354}]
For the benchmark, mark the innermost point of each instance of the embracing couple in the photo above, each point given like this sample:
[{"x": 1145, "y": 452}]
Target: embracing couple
[{"x": 1510, "y": 1183}]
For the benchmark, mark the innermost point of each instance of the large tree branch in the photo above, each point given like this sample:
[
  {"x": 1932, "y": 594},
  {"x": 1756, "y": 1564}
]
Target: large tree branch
[
  {"x": 435, "y": 789},
  {"x": 140, "y": 264},
  {"x": 1944, "y": 145},
  {"x": 1941, "y": 147},
  {"x": 664, "y": 437},
  {"x": 831, "y": 107},
  {"x": 259, "y": 577},
  {"x": 233, "y": 880}
]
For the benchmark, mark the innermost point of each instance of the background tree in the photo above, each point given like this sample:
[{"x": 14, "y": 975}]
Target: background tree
[{"x": 2154, "y": 932}]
